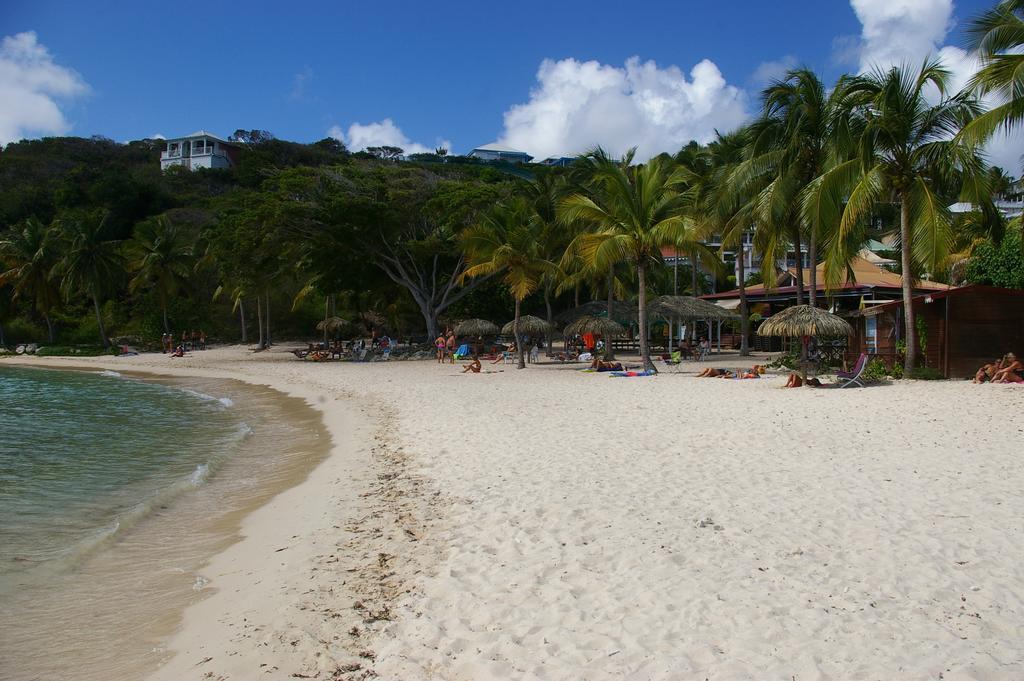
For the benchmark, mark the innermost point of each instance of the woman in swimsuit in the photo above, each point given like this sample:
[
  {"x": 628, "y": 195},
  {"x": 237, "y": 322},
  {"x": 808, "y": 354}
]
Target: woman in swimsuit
[{"x": 440, "y": 345}]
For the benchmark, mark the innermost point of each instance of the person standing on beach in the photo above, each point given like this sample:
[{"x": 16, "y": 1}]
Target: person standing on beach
[
  {"x": 202, "y": 340},
  {"x": 450, "y": 345},
  {"x": 439, "y": 344}
]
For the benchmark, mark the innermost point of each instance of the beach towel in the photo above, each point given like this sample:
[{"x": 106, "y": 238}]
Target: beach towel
[{"x": 632, "y": 374}]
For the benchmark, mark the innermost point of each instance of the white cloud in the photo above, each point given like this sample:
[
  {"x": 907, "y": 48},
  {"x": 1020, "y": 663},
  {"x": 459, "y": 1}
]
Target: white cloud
[
  {"x": 578, "y": 105},
  {"x": 157, "y": 136},
  {"x": 770, "y": 71},
  {"x": 300, "y": 84},
  {"x": 380, "y": 134},
  {"x": 30, "y": 86},
  {"x": 898, "y": 32}
]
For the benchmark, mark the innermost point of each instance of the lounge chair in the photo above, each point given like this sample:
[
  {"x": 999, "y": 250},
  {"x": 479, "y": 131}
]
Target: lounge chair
[
  {"x": 848, "y": 378},
  {"x": 674, "y": 362}
]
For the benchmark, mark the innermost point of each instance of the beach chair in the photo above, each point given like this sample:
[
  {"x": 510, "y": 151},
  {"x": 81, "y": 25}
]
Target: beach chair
[
  {"x": 674, "y": 362},
  {"x": 534, "y": 354},
  {"x": 701, "y": 353},
  {"x": 386, "y": 355},
  {"x": 507, "y": 358},
  {"x": 848, "y": 378}
]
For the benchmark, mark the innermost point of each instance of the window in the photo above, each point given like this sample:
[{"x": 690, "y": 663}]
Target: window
[{"x": 871, "y": 335}]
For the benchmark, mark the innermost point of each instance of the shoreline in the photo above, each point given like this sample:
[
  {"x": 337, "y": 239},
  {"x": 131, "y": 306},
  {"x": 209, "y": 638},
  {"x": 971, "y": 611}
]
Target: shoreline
[{"x": 258, "y": 615}]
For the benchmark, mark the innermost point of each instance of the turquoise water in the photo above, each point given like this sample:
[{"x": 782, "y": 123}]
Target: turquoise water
[
  {"x": 85, "y": 456},
  {"x": 114, "y": 494}
]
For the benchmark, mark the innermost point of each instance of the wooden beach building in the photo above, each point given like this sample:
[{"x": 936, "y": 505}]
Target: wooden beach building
[{"x": 965, "y": 328}]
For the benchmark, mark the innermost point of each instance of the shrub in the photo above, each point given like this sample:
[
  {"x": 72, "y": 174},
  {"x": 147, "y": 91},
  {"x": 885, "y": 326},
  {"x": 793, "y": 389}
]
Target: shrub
[{"x": 875, "y": 370}]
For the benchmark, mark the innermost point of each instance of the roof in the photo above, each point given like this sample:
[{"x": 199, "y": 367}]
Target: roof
[
  {"x": 866, "y": 275},
  {"x": 496, "y": 147},
  {"x": 201, "y": 133},
  {"x": 936, "y": 295}
]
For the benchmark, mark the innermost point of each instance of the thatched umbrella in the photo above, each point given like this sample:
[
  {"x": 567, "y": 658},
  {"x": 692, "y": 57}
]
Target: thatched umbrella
[
  {"x": 331, "y": 325},
  {"x": 529, "y": 325},
  {"x": 476, "y": 327},
  {"x": 805, "y": 320},
  {"x": 688, "y": 307},
  {"x": 599, "y": 325}
]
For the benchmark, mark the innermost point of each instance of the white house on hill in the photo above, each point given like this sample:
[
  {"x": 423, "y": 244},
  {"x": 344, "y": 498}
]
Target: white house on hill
[
  {"x": 199, "y": 150},
  {"x": 492, "y": 152}
]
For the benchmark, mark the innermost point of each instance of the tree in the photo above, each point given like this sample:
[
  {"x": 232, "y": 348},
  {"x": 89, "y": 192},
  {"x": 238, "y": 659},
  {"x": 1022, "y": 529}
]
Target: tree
[
  {"x": 633, "y": 212},
  {"x": 997, "y": 36},
  {"x": 906, "y": 153},
  {"x": 162, "y": 259},
  {"x": 505, "y": 243},
  {"x": 27, "y": 259},
  {"x": 91, "y": 262},
  {"x": 252, "y": 136},
  {"x": 999, "y": 264},
  {"x": 386, "y": 153}
]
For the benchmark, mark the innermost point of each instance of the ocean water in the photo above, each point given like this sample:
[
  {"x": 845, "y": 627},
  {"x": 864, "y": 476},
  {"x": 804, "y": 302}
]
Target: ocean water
[{"x": 114, "y": 493}]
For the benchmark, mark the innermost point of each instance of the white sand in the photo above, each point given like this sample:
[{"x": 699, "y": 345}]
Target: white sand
[{"x": 543, "y": 524}]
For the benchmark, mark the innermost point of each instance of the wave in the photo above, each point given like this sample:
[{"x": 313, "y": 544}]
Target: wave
[
  {"x": 108, "y": 372},
  {"x": 225, "y": 401}
]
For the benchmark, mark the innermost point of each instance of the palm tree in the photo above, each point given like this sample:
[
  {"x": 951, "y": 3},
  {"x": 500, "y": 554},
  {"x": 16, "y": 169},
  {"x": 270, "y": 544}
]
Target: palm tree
[
  {"x": 544, "y": 193},
  {"x": 906, "y": 154},
  {"x": 998, "y": 38},
  {"x": 633, "y": 212},
  {"x": 28, "y": 255},
  {"x": 801, "y": 135},
  {"x": 505, "y": 241},
  {"x": 162, "y": 259},
  {"x": 90, "y": 264}
]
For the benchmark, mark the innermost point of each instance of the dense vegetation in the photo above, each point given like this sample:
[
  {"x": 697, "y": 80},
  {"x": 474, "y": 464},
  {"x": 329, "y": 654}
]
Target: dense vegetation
[{"x": 96, "y": 242}]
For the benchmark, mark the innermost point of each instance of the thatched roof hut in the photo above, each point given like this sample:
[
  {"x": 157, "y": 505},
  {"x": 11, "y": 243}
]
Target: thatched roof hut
[
  {"x": 476, "y": 327},
  {"x": 688, "y": 308},
  {"x": 804, "y": 320},
  {"x": 529, "y": 325},
  {"x": 598, "y": 325},
  {"x": 331, "y": 324}
]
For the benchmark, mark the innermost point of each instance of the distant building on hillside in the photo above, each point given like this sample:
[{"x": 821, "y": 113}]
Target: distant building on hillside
[
  {"x": 199, "y": 150},
  {"x": 493, "y": 152},
  {"x": 560, "y": 161}
]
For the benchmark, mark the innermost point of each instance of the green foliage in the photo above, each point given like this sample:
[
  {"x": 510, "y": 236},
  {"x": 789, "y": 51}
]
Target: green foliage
[
  {"x": 922, "y": 336},
  {"x": 875, "y": 370},
  {"x": 74, "y": 350},
  {"x": 999, "y": 264}
]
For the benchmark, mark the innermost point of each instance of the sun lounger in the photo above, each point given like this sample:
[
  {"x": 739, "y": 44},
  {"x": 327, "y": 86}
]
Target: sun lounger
[{"x": 848, "y": 378}]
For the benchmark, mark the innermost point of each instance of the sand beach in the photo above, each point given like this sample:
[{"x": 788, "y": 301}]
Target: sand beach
[{"x": 553, "y": 524}]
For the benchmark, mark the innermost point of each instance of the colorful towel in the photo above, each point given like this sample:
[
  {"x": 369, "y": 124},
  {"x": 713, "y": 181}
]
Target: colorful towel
[{"x": 631, "y": 374}]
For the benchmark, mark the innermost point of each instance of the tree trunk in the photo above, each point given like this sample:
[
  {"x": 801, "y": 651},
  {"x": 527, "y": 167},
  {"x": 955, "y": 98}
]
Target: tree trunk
[
  {"x": 645, "y": 353},
  {"x": 812, "y": 256},
  {"x": 550, "y": 319},
  {"x": 163, "y": 307},
  {"x": 910, "y": 334},
  {"x": 576, "y": 296},
  {"x": 266, "y": 301},
  {"x": 259, "y": 323},
  {"x": 49, "y": 328},
  {"x": 799, "y": 267},
  {"x": 99, "y": 320},
  {"x": 694, "y": 260},
  {"x": 241, "y": 312},
  {"x": 515, "y": 332},
  {"x": 327, "y": 309},
  {"x": 609, "y": 354},
  {"x": 741, "y": 276}
]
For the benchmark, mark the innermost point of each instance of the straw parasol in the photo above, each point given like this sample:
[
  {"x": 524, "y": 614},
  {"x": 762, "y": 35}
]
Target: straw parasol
[
  {"x": 804, "y": 320},
  {"x": 476, "y": 327},
  {"x": 529, "y": 325},
  {"x": 687, "y": 307},
  {"x": 589, "y": 324},
  {"x": 331, "y": 324}
]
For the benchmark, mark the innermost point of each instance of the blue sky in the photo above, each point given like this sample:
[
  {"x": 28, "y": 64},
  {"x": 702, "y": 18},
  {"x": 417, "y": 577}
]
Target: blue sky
[{"x": 442, "y": 72}]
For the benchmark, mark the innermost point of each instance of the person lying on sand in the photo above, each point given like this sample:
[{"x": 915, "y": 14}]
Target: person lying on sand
[
  {"x": 606, "y": 366},
  {"x": 795, "y": 381},
  {"x": 713, "y": 373},
  {"x": 473, "y": 366}
]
